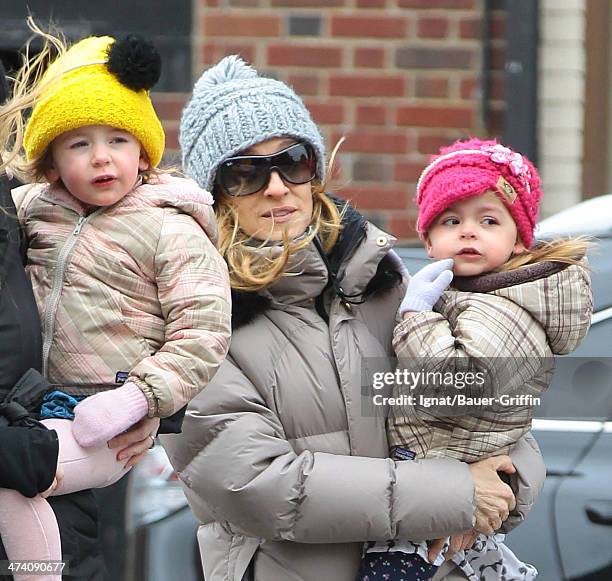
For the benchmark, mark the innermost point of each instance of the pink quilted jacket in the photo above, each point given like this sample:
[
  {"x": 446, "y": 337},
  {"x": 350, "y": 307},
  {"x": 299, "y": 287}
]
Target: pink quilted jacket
[{"x": 136, "y": 290}]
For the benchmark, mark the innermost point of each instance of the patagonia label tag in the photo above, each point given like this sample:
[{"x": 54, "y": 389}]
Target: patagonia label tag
[
  {"x": 505, "y": 189},
  {"x": 121, "y": 376},
  {"x": 400, "y": 453}
]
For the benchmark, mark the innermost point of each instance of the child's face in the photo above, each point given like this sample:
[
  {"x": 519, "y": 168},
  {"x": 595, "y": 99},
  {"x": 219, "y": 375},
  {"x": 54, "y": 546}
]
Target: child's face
[
  {"x": 98, "y": 164},
  {"x": 478, "y": 233}
]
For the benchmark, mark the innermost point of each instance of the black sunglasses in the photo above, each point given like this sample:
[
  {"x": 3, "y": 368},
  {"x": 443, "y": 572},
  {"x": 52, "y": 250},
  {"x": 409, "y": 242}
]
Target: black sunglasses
[{"x": 246, "y": 174}]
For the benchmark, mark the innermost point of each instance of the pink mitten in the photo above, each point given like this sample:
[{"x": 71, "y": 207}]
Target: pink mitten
[{"x": 102, "y": 416}]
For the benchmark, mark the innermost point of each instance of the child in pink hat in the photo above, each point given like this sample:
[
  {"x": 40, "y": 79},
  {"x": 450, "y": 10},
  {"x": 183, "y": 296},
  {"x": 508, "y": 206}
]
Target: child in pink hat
[{"x": 482, "y": 325}]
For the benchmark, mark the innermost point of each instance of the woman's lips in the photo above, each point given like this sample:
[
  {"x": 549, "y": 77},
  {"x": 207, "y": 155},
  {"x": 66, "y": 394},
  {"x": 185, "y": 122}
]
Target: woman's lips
[{"x": 279, "y": 215}]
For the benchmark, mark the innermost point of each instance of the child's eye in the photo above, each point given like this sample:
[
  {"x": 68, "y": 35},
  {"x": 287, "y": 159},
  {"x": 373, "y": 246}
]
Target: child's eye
[
  {"x": 78, "y": 144},
  {"x": 451, "y": 221},
  {"x": 489, "y": 221},
  {"x": 119, "y": 139}
]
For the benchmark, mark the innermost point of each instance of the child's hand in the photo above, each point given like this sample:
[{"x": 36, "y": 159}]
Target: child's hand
[
  {"x": 456, "y": 543},
  {"x": 59, "y": 475},
  {"x": 100, "y": 417},
  {"x": 427, "y": 286}
]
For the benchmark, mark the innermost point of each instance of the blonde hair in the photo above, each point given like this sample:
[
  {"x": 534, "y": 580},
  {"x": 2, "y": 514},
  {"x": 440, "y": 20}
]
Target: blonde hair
[
  {"x": 564, "y": 250},
  {"x": 252, "y": 271},
  {"x": 28, "y": 86}
]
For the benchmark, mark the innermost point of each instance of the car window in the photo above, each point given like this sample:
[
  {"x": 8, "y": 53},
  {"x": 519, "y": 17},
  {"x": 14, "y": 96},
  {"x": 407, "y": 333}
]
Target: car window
[{"x": 582, "y": 384}]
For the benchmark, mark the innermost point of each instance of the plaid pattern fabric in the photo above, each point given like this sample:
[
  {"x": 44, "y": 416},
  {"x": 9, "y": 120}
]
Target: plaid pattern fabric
[
  {"x": 510, "y": 334},
  {"x": 144, "y": 290}
]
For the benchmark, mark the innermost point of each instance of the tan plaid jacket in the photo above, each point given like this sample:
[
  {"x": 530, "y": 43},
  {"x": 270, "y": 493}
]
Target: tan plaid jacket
[
  {"x": 136, "y": 289},
  {"x": 510, "y": 335}
]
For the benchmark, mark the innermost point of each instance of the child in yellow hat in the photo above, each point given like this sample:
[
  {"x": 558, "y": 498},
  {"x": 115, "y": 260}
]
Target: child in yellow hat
[{"x": 134, "y": 298}]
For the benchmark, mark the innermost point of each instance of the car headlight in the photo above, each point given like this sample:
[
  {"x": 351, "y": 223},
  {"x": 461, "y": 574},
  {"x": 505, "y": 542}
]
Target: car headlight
[{"x": 155, "y": 491}]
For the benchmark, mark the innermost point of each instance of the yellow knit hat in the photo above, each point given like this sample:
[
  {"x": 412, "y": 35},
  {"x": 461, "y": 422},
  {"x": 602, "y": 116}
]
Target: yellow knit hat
[{"x": 83, "y": 91}]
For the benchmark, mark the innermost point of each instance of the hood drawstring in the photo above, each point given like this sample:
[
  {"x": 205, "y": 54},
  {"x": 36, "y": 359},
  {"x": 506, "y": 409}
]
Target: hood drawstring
[{"x": 347, "y": 298}]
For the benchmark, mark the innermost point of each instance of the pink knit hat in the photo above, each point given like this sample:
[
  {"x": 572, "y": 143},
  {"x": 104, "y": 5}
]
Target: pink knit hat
[{"x": 470, "y": 168}]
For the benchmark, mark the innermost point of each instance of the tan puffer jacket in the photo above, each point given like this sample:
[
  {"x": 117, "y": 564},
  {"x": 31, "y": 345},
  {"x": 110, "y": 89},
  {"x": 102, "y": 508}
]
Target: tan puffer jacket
[
  {"x": 134, "y": 290},
  {"x": 278, "y": 461}
]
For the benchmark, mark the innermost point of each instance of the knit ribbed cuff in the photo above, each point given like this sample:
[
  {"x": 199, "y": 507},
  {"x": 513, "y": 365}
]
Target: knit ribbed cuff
[{"x": 131, "y": 397}]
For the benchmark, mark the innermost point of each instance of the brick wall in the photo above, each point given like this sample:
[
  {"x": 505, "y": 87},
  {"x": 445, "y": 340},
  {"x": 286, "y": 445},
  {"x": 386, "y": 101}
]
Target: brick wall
[{"x": 398, "y": 78}]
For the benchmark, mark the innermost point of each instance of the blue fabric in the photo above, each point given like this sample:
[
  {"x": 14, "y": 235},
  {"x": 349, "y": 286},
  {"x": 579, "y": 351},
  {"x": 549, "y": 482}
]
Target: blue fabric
[{"x": 58, "y": 404}]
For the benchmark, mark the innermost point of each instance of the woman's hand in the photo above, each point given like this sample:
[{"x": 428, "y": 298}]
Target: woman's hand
[
  {"x": 494, "y": 499},
  {"x": 455, "y": 543},
  {"x": 59, "y": 475},
  {"x": 134, "y": 443}
]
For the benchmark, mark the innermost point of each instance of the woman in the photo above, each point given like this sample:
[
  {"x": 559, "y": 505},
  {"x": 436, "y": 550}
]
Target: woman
[{"x": 283, "y": 466}]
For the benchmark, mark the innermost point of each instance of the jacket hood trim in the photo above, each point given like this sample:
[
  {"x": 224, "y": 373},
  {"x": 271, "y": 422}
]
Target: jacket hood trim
[
  {"x": 247, "y": 306},
  {"x": 489, "y": 282}
]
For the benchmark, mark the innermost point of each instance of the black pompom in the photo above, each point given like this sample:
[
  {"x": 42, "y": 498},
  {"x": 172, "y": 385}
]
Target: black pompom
[{"x": 135, "y": 62}]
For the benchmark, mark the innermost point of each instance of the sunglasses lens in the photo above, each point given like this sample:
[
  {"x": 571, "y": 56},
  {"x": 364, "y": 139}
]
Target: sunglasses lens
[
  {"x": 297, "y": 164},
  {"x": 244, "y": 175}
]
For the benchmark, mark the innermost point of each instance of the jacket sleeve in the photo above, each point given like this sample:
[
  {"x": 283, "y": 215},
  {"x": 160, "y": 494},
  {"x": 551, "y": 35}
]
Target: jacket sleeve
[
  {"x": 194, "y": 293},
  {"x": 487, "y": 334},
  {"x": 28, "y": 457},
  {"x": 527, "y": 481},
  {"x": 239, "y": 468},
  {"x": 482, "y": 326}
]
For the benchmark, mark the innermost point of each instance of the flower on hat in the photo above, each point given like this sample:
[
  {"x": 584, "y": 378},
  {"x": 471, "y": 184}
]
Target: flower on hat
[{"x": 516, "y": 163}]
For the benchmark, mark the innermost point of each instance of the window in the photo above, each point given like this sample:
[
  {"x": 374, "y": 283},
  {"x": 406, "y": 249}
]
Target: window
[
  {"x": 166, "y": 24},
  {"x": 582, "y": 385}
]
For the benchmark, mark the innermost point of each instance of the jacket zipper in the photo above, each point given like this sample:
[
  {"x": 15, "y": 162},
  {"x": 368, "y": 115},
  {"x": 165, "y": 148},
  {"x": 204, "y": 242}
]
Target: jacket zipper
[{"x": 56, "y": 290}]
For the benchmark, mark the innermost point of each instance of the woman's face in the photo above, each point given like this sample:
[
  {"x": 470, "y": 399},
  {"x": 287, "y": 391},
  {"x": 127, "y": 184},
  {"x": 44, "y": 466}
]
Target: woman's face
[{"x": 279, "y": 206}]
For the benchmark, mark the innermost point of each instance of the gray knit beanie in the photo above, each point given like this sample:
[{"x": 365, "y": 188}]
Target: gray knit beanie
[{"x": 233, "y": 108}]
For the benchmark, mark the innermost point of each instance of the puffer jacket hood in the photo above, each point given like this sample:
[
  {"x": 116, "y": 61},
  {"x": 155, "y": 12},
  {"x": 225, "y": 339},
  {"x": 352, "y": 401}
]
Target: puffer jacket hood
[
  {"x": 167, "y": 192},
  {"x": 185, "y": 195}
]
